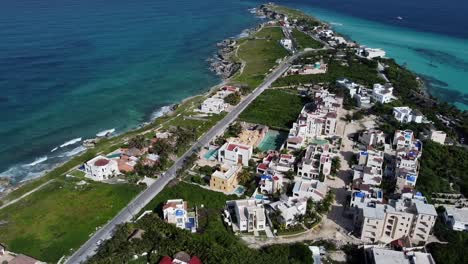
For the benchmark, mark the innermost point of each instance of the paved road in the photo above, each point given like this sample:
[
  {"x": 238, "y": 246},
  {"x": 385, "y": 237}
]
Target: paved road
[{"x": 139, "y": 202}]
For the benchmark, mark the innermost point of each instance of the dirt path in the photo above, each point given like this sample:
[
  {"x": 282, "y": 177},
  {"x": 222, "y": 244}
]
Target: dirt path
[{"x": 25, "y": 195}]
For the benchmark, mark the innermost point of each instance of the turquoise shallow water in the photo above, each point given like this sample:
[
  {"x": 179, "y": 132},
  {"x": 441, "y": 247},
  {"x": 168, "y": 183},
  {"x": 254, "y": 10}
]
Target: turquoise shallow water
[{"x": 441, "y": 60}]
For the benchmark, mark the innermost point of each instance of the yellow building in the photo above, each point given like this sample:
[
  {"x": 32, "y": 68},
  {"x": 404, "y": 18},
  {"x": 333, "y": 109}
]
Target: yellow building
[{"x": 225, "y": 179}]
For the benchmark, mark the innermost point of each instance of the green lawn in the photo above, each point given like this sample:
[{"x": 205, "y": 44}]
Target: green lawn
[
  {"x": 260, "y": 56},
  {"x": 305, "y": 41},
  {"x": 61, "y": 216},
  {"x": 274, "y": 108}
]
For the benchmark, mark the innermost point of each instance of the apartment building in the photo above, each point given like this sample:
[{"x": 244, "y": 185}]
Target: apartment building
[
  {"x": 316, "y": 120},
  {"x": 407, "y": 217},
  {"x": 408, "y": 152}
]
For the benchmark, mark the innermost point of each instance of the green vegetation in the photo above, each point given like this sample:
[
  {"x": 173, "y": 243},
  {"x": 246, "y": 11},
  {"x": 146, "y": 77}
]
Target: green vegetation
[
  {"x": 259, "y": 54},
  {"x": 442, "y": 165},
  {"x": 233, "y": 99},
  {"x": 360, "y": 71},
  {"x": 61, "y": 216},
  {"x": 305, "y": 41},
  {"x": 214, "y": 244},
  {"x": 454, "y": 251},
  {"x": 283, "y": 108}
]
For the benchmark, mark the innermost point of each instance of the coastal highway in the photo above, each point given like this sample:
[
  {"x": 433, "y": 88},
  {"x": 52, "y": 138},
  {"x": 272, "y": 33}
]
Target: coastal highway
[{"x": 138, "y": 203}]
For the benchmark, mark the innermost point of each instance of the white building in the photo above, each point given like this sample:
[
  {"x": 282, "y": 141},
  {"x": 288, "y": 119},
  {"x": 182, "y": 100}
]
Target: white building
[
  {"x": 382, "y": 93},
  {"x": 408, "y": 152},
  {"x": 372, "y": 138},
  {"x": 438, "y": 136},
  {"x": 370, "y": 53},
  {"x": 250, "y": 215},
  {"x": 405, "y": 114},
  {"x": 312, "y": 189},
  {"x": 317, "y": 160},
  {"x": 456, "y": 218},
  {"x": 353, "y": 88},
  {"x": 213, "y": 105},
  {"x": 290, "y": 209},
  {"x": 101, "y": 168},
  {"x": 235, "y": 153},
  {"x": 316, "y": 120},
  {"x": 175, "y": 212},
  {"x": 287, "y": 44},
  {"x": 375, "y": 255},
  {"x": 270, "y": 184}
]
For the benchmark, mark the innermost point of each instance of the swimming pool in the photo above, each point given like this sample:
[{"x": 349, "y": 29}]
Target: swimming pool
[
  {"x": 115, "y": 155},
  {"x": 211, "y": 154},
  {"x": 273, "y": 140},
  {"x": 239, "y": 190}
]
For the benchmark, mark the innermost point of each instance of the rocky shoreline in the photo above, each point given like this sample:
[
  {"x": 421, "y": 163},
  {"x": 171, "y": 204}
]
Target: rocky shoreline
[{"x": 222, "y": 63}]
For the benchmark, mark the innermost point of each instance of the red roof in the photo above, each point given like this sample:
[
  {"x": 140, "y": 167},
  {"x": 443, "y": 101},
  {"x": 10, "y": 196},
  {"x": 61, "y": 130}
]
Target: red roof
[
  {"x": 262, "y": 166},
  {"x": 166, "y": 260},
  {"x": 231, "y": 147},
  {"x": 195, "y": 260},
  {"x": 101, "y": 162}
]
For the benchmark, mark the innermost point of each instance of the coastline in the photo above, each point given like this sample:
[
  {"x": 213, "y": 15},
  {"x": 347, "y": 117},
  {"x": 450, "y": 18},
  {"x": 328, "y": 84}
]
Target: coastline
[{"x": 8, "y": 187}]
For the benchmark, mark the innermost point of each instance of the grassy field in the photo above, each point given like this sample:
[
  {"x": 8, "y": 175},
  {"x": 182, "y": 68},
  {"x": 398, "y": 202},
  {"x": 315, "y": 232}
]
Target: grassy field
[
  {"x": 305, "y": 41},
  {"x": 260, "y": 55},
  {"x": 283, "y": 108},
  {"x": 61, "y": 216},
  {"x": 362, "y": 73}
]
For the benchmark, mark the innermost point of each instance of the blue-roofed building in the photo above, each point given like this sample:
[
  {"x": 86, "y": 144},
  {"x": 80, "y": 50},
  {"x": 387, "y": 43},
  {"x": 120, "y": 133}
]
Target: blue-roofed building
[{"x": 175, "y": 212}]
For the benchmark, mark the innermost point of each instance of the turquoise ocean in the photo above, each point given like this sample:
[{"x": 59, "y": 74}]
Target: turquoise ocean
[{"x": 69, "y": 69}]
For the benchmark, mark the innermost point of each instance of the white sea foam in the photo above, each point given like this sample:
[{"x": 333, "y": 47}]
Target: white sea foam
[
  {"x": 161, "y": 111},
  {"x": 70, "y": 142},
  {"x": 105, "y": 132},
  {"x": 73, "y": 152},
  {"x": 37, "y": 161},
  {"x": 54, "y": 149},
  {"x": 336, "y": 24}
]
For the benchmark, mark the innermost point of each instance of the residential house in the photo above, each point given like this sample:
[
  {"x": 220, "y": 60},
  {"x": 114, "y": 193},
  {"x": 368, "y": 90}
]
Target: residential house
[
  {"x": 310, "y": 189},
  {"x": 175, "y": 212},
  {"x": 9, "y": 257},
  {"x": 370, "y": 53},
  {"x": 372, "y": 138},
  {"x": 456, "y": 218},
  {"x": 317, "y": 160},
  {"x": 213, "y": 105},
  {"x": 270, "y": 184},
  {"x": 405, "y": 114},
  {"x": 287, "y": 44},
  {"x": 250, "y": 215},
  {"x": 225, "y": 179},
  {"x": 382, "y": 93},
  {"x": 235, "y": 154},
  {"x": 101, "y": 168},
  {"x": 376, "y": 255},
  {"x": 290, "y": 208},
  {"x": 438, "y": 136}
]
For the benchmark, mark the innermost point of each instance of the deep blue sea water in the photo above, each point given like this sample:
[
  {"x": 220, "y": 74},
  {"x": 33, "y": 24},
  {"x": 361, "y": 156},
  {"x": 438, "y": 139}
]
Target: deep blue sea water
[{"x": 71, "y": 68}]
